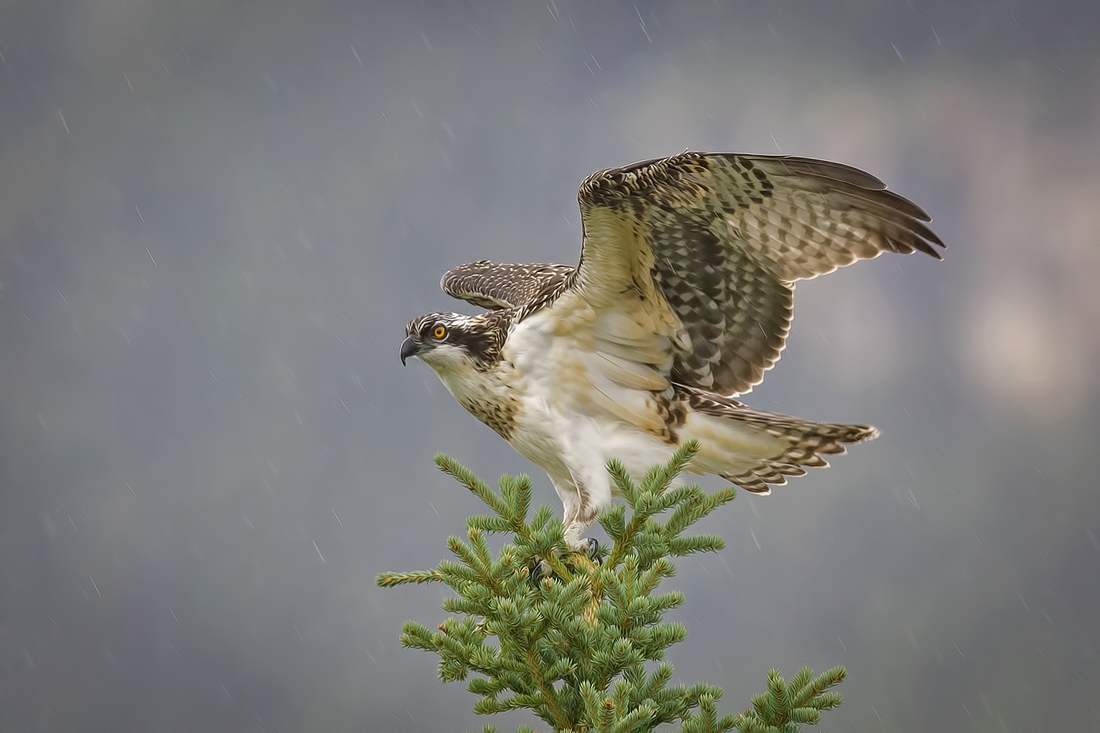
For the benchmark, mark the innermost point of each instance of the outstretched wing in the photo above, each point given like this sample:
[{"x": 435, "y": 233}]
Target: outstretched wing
[
  {"x": 703, "y": 250},
  {"x": 496, "y": 286}
]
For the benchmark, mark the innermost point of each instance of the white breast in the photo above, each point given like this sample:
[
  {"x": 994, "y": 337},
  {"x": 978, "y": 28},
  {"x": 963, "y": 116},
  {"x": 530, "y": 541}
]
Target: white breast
[{"x": 580, "y": 406}]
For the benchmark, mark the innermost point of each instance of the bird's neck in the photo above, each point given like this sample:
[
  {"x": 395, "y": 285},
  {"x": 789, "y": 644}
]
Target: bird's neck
[{"x": 484, "y": 394}]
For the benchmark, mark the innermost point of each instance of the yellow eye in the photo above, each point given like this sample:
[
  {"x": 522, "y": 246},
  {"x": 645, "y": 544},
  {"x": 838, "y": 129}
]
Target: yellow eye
[{"x": 439, "y": 332}]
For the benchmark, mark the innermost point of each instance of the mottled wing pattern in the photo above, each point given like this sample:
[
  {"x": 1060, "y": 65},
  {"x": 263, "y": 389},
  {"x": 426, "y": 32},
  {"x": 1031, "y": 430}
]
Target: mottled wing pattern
[
  {"x": 736, "y": 314},
  {"x": 722, "y": 238},
  {"x": 497, "y": 286}
]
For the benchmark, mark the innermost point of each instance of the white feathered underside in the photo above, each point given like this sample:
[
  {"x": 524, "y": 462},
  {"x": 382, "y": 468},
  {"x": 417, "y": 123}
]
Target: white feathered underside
[
  {"x": 592, "y": 384},
  {"x": 598, "y": 365}
]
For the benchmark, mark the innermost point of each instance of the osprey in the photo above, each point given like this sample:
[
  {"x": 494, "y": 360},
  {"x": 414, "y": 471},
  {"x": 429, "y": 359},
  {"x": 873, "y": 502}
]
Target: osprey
[{"x": 682, "y": 299}]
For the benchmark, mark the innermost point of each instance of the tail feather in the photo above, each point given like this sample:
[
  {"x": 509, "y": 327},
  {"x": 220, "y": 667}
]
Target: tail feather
[{"x": 756, "y": 449}]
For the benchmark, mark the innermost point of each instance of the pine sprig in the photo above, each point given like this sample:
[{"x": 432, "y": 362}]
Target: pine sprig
[
  {"x": 584, "y": 649},
  {"x": 784, "y": 707}
]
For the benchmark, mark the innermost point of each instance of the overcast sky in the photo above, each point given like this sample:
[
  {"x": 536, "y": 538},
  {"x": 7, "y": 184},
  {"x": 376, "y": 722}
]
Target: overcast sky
[{"x": 216, "y": 219}]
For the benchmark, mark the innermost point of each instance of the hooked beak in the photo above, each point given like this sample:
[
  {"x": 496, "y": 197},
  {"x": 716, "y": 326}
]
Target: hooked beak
[{"x": 408, "y": 348}]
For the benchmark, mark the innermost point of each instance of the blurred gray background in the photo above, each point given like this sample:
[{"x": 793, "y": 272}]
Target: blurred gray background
[{"x": 217, "y": 217}]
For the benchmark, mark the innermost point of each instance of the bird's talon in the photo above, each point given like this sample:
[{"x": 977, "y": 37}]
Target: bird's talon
[
  {"x": 589, "y": 551},
  {"x": 540, "y": 569}
]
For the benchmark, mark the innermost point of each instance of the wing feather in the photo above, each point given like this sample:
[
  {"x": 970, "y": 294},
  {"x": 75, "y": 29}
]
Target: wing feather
[
  {"x": 497, "y": 286},
  {"x": 627, "y": 372},
  {"x": 703, "y": 250}
]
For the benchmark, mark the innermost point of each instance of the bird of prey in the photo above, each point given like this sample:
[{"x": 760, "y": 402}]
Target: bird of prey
[{"x": 682, "y": 299}]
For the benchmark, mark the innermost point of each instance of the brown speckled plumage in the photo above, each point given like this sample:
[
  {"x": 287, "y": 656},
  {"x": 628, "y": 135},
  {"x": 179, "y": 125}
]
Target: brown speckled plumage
[
  {"x": 682, "y": 299},
  {"x": 729, "y": 234},
  {"x": 494, "y": 286}
]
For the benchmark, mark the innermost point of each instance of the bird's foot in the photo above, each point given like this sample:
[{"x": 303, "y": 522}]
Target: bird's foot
[
  {"x": 587, "y": 553},
  {"x": 591, "y": 548}
]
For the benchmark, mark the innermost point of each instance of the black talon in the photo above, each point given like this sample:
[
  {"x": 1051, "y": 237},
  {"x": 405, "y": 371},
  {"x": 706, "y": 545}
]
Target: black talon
[
  {"x": 592, "y": 548},
  {"x": 540, "y": 569}
]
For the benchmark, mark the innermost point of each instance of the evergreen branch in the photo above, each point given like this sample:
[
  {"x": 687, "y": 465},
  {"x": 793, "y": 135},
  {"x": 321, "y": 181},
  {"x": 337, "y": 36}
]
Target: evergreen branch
[
  {"x": 584, "y": 648},
  {"x": 390, "y": 580},
  {"x": 467, "y": 478},
  {"x": 783, "y": 707},
  {"x": 549, "y": 697}
]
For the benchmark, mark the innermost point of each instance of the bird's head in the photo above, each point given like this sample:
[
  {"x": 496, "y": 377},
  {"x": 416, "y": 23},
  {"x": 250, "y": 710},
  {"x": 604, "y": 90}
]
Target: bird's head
[{"x": 450, "y": 342}]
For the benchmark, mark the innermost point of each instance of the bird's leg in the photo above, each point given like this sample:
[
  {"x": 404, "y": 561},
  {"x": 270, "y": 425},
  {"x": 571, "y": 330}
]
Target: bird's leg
[
  {"x": 577, "y": 527},
  {"x": 576, "y": 520},
  {"x": 593, "y": 485}
]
